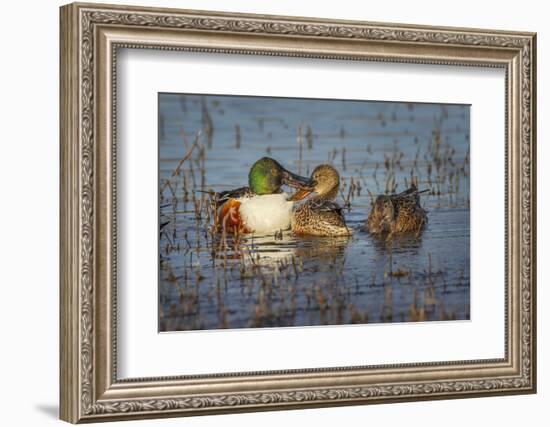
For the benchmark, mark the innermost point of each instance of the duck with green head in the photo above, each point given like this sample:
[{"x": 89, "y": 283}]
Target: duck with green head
[{"x": 261, "y": 207}]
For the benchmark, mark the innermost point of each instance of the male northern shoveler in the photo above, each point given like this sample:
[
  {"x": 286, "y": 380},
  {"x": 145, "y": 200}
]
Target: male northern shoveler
[
  {"x": 397, "y": 213},
  {"x": 261, "y": 207},
  {"x": 320, "y": 215}
]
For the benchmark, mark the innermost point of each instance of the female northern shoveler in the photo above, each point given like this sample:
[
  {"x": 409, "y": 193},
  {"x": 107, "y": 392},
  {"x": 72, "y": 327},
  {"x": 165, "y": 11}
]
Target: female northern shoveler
[
  {"x": 260, "y": 207},
  {"x": 397, "y": 213},
  {"x": 320, "y": 215}
]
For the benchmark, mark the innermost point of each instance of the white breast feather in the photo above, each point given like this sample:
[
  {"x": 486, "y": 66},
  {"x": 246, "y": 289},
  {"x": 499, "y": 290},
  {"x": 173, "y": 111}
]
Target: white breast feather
[{"x": 266, "y": 214}]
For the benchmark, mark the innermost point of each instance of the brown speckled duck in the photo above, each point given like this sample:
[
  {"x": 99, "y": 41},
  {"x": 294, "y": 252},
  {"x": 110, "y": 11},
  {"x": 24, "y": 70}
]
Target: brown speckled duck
[
  {"x": 397, "y": 213},
  {"x": 319, "y": 215}
]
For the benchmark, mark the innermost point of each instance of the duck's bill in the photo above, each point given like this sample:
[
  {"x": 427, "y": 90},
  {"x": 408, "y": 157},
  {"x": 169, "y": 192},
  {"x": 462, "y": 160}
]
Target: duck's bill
[
  {"x": 295, "y": 181},
  {"x": 300, "y": 194}
]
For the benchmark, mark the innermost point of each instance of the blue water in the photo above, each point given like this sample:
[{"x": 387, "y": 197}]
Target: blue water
[{"x": 265, "y": 281}]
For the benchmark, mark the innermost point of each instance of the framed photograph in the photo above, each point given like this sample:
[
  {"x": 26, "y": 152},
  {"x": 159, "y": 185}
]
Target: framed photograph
[{"x": 266, "y": 212}]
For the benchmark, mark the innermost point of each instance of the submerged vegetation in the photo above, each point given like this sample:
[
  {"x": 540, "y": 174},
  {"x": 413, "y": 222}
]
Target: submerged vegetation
[{"x": 211, "y": 279}]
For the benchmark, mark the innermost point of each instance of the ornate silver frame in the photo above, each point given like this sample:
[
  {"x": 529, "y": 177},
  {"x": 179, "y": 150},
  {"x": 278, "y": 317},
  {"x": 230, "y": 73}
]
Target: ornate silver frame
[{"x": 90, "y": 36}]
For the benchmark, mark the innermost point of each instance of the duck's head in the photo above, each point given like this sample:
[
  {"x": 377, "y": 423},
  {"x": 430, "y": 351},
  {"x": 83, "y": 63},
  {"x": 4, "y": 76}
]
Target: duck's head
[
  {"x": 324, "y": 183},
  {"x": 382, "y": 215},
  {"x": 267, "y": 176}
]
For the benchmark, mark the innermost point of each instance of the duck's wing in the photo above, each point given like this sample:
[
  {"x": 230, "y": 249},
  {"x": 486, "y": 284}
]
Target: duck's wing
[
  {"x": 409, "y": 198},
  {"x": 411, "y": 191},
  {"x": 331, "y": 215},
  {"x": 237, "y": 193},
  {"x": 324, "y": 206}
]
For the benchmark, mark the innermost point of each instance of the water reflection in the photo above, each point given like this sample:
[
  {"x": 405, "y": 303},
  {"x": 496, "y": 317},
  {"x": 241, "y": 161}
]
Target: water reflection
[
  {"x": 323, "y": 249},
  {"x": 408, "y": 243}
]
